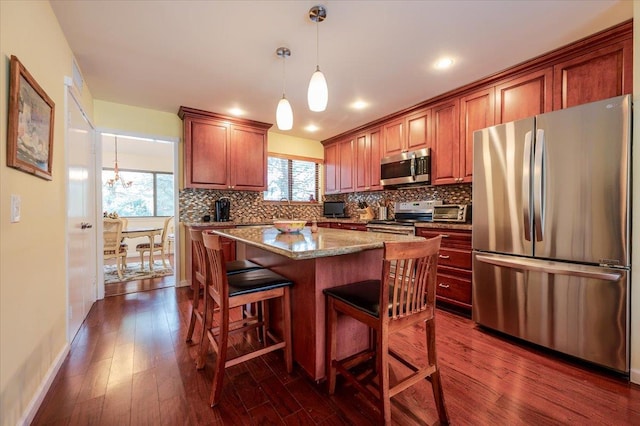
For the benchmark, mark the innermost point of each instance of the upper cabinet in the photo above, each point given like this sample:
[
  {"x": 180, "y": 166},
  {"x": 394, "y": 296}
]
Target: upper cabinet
[
  {"x": 406, "y": 133},
  {"x": 524, "y": 96},
  {"x": 591, "y": 69},
  {"x": 445, "y": 155},
  {"x": 368, "y": 154},
  {"x": 476, "y": 112},
  {"x": 601, "y": 74},
  {"x": 224, "y": 152}
]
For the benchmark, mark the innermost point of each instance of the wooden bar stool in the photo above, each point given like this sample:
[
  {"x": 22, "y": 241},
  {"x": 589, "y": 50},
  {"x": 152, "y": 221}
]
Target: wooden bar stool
[
  {"x": 199, "y": 279},
  {"x": 226, "y": 292},
  {"x": 406, "y": 293}
]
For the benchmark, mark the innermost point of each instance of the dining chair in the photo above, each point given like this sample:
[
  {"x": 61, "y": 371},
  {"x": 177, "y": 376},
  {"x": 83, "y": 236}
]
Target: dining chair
[
  {"x": 403, "y": 297},
  {"x": 200, "y": 276},
  {"x": 123, "y": 244},
  {"x": 161, "y": 246},
  {"x": 227, "y": 292},
  {"x": 113, "y": 249}
]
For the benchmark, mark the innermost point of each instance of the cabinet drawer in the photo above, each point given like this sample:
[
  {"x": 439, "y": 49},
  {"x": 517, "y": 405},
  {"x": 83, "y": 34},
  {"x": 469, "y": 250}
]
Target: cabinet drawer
[
  {"x": 460, "y": 239},
  {"x": 455, "y": 288},
  {"x": 351, "y": 226},
  {"x": 458, "y": 258}
]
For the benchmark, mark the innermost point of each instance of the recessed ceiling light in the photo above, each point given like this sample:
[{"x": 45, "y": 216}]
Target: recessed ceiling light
[
  {"x": 236, "y": 111},
  {"x": 311, "y": 128},
  {"x": 443, "y": 63},
  {"x": 359, "y": 105}
]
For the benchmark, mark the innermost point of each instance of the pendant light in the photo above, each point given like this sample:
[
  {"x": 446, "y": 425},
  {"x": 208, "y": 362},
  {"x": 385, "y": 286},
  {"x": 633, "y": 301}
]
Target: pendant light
[
  {"x": 284, "y": 113},
  {"x": 111, "y": 183},
  {"x": 318, "y": 93}
]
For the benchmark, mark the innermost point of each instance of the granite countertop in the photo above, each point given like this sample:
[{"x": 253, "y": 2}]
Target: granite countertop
[
  {"x": 308, "y": 245},
  {"x": 263, "y": 222}
]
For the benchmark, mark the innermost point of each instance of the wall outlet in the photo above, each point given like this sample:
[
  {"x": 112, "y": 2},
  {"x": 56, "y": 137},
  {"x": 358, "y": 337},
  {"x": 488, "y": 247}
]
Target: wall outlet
[{"x": 16, "y": 202}]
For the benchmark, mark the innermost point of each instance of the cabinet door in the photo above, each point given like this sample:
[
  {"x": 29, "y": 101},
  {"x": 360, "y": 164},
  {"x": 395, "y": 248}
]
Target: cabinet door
[
  {"x": 524, "y": 96},
  {"x": 248, "y": 167},
  {"x": 446, "y": 143},
  {"x": 375, "y": 145},
  {"x": 394, "y": 141},
  {"x": 418, "y": 130},
  {"x": 363, "y": 163},
  {"x": 476, "y": 112},
  {"x": 602, "y": 74},
  {"x": 206, "y": 154},
  {"x": 331, "y": 166},
  {"x": 347, "y": 161}
]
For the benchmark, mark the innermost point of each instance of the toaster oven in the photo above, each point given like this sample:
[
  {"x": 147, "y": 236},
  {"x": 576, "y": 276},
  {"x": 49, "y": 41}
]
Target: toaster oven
[{"x": 452, "y": 213}]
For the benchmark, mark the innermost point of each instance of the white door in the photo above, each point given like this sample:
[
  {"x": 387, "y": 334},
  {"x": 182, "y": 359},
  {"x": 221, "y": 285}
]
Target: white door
[{"x": 81, "y": 216}]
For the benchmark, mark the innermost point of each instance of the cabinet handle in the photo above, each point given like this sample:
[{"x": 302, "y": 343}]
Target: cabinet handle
[
  {"x": 444, "y": 256},
  {"x": 445, "y": 235},
  {"x": 443, "y": 285}
]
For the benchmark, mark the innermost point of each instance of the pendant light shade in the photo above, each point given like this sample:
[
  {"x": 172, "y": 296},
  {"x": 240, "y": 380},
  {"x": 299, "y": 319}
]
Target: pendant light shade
[
  {"x": 318, "y": 93},
  {"x": 284, "y": 113}
]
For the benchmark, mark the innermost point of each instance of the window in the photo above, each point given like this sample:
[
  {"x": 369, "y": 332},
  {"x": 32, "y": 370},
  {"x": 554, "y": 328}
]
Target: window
[
  {"x": 292, "y": 179},
  {"x": 151, "y": 194}
]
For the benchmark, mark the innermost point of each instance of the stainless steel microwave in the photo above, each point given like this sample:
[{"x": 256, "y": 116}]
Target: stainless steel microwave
[
  {"x": 413, "y": 167},
  {"x": 452, "y": 213}
]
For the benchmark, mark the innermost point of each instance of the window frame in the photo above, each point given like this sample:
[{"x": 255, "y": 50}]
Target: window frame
[
  {"x": 155, "y": 183},
  {"x": 290, "y": 158}
]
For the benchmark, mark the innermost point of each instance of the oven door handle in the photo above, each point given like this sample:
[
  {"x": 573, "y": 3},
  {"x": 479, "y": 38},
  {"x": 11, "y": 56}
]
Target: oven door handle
[{"x": 391, "y": 231}]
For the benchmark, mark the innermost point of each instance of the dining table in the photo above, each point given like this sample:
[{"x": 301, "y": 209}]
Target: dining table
[{"x": 148, "y": 231}]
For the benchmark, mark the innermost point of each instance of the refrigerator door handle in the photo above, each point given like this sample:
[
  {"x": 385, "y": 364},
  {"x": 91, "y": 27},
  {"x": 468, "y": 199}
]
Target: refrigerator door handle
[
  {"x": 526, "y": 185},
  {"x": 538, "y": 186},
  {"x": 550, "y": 267}
]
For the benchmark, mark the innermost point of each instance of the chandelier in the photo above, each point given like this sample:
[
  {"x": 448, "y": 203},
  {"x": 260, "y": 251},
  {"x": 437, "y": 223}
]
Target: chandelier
[{"x": 111, "y": 183}]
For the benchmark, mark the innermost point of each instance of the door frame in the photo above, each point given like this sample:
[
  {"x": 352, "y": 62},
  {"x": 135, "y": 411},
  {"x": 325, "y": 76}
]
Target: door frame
[{"x": 177, "y": 266}]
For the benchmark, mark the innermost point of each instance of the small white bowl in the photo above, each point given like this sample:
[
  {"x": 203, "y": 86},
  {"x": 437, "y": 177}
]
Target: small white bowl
[{"x": 289, "y": 226}]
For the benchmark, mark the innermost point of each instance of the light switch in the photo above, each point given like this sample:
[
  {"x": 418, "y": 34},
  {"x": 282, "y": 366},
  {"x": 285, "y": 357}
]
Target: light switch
[{"x": 16, "y": 201}]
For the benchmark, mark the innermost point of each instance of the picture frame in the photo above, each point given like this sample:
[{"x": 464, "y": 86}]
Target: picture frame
[{"x": 30, "y": 127}]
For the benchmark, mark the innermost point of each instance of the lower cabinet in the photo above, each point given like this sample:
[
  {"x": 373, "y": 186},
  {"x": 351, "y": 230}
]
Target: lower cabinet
[{"x": 453, "y": 286}]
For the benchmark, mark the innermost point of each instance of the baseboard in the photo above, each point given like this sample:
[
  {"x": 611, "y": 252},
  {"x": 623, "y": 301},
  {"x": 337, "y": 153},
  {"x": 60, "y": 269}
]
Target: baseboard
[
  {"x": 183, "y": 283},
  {"x": 634, "y": 376},
  {"x": 36, "y": 401}
]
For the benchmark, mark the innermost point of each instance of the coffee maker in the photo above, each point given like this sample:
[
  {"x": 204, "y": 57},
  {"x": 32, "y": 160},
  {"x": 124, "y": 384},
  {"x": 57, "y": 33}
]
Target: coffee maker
[{"x": 222, "y": 209}]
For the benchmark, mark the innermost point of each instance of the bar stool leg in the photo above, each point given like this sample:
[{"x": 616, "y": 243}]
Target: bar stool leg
[{"x": 332, "y": 319}]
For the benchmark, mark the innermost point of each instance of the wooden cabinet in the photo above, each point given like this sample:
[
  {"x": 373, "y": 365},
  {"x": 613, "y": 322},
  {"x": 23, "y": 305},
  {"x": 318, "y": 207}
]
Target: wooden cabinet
[
  {"x": 346, "y": 161},
  {"x": 367, "y": 152},
  {"x": 350, "y": 226},
  {"x": 601, "y": 74},
  {"x": 476, "y": 112},
  {"x": 454, "y": 266},
  {"x": 445, "y": 155},
  {"x": 524, "y": 96},
  {"x": 331, "y": 169},
  {"x": 407, "y": 133},
  {"x": 224, "y": 152}
]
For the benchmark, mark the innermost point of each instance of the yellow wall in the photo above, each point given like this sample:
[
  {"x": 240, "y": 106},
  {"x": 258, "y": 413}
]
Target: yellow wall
[
  {"x": 33, "y": 251},
  {"x": 285, "y": 144}
]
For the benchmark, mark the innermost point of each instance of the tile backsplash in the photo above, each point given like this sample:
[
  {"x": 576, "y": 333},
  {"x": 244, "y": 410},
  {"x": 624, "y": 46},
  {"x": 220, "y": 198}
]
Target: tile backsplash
[{"x": 250, "y": 207}]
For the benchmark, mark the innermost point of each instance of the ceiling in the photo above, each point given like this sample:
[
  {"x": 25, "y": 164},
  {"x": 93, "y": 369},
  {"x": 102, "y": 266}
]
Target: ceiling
[{"x": 218, "y": 55}]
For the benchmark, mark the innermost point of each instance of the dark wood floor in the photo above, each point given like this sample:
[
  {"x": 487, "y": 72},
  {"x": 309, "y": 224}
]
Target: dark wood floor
[{"x": 129, "y": 364}]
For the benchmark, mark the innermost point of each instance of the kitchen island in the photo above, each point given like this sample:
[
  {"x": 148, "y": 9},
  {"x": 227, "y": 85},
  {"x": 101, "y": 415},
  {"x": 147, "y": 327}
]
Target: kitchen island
[{"x": 315, "y": 261}]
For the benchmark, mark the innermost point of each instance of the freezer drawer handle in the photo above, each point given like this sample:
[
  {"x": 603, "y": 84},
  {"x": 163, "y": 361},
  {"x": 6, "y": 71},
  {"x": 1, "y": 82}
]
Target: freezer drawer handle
[
  {"x": 443, "y": 285},
  {"x": 549, "y": 267}
]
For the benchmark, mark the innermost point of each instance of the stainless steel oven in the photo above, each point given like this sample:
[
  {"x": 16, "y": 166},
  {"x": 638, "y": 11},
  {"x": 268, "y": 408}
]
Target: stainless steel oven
[{"x": 406, "y": 214}]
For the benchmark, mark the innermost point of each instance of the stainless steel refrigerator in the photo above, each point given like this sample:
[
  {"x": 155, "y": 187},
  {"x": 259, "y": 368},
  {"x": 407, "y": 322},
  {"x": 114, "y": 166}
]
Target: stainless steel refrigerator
[{"x": 551, "y": 230}]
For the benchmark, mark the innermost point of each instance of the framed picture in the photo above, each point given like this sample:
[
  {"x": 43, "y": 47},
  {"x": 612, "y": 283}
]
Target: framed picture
[{"x": 30, "y": 128}]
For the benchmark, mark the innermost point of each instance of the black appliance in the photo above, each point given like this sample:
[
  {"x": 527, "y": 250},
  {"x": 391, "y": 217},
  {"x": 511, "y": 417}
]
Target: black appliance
[
  {"x": 408, "y": 168},
  {"x": 222, "y": 209},
  {"x": 333, "y": 209}
]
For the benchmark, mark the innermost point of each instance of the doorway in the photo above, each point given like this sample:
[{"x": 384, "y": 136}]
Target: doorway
[{"x": 139, "y": 188}]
